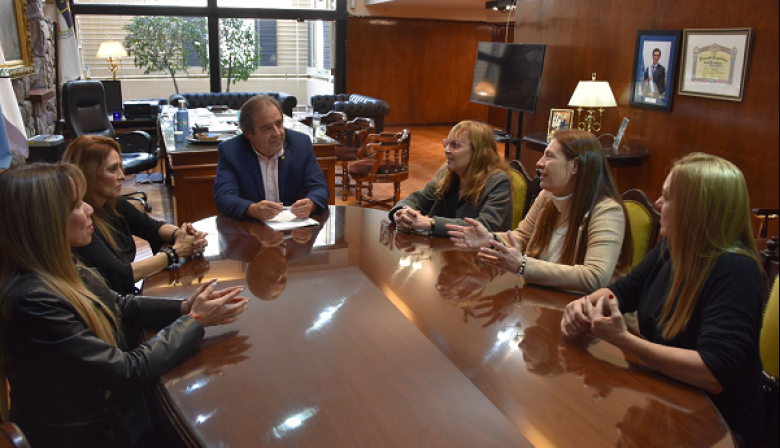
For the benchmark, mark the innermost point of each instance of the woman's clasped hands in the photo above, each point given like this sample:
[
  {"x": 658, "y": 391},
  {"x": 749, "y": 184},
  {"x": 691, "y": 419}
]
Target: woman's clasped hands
[
  {"x": 597, "y": 316},
  {"x": 408, "y": 219},
  {"x": 212, "y": 307},
  {"x": 189, "y": 242}
]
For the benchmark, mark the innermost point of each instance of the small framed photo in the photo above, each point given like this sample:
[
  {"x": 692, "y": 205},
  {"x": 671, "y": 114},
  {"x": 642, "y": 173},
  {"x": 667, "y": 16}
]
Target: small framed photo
[
  {"x": 715, "y": 63},
  {"x": 560, "y": 119},
  {"x": 655, "y": 65}
]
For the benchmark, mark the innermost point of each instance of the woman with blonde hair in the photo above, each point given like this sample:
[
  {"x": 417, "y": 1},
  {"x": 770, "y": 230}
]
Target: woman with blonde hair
[
  {"x": 112, "y": 250},
  {"x": 698, "y": 295},
  {"x": 474, "y": 183},
  {"x": 74, "y": 381},
  {"x": 576, "y": 236}
]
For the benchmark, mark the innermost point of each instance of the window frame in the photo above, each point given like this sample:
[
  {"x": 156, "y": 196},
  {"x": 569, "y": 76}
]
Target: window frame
[{"x": 213, "y": 13}]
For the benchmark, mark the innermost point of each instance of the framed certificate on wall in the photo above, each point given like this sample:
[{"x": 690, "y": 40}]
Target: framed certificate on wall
[{"x": 715, "y": 63}]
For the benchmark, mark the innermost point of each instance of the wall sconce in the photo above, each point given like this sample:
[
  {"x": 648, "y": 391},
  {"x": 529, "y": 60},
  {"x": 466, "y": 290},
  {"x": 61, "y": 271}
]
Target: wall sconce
[
  {"x": 114, "y": 52},
  {"x": 501, "y": 5},
  {"x": 592, "y": 95}
]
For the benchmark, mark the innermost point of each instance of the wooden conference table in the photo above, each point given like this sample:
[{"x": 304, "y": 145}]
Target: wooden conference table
[
  {"x": 192, "y": 167},
  {"x": 378, "y": 339}
]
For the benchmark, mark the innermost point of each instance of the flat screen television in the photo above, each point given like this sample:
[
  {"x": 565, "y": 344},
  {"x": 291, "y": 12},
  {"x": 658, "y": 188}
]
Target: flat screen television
[
  {"x": 113, "y": 91},
  {"x": 508, "y": 75}
]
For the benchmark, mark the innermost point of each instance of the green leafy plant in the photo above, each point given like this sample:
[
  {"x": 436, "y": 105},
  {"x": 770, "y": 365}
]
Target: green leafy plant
[
  {"x": 240, "y": 51},
  {"x": 158, "y": 43}
]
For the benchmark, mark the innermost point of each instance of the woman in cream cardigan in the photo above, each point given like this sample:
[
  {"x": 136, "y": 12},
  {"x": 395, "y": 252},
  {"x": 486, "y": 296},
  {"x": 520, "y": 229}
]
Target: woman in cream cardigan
[{"x": 576, "y": 237}]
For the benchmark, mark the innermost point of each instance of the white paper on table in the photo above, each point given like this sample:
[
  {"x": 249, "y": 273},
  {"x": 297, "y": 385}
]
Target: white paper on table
[{"x": 287, "y": 221}]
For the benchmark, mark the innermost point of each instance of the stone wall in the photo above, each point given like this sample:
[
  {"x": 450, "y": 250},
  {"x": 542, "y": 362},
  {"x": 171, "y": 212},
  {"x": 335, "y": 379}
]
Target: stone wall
[{"x": 38, "y": 118}]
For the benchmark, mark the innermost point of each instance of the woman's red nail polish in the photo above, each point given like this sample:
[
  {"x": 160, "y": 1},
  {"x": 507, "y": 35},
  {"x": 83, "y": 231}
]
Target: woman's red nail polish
[{"x": 611, "y": 296}]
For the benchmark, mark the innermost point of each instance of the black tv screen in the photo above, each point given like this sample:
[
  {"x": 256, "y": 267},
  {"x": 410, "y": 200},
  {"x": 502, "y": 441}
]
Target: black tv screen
[
  {"x": 113, "y": 90},
  {"x": 508, "y": 75}
]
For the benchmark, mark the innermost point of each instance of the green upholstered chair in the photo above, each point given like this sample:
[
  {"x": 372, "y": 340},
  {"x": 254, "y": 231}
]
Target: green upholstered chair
[
  {"x": 12, "y": 437},
  {"x": 524, "y": 191},
  {"x": 770, "y": 333},
  {"x": 645, "y": 223}
]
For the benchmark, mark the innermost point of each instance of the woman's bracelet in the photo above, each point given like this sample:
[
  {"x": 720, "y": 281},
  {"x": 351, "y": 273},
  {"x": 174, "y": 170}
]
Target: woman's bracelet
[
  {"x": 173, "y": 257},
  {"x": 196, "y": 317},
  {"x": 521, "y": 271},
  {"x": 173, "y": 235}
]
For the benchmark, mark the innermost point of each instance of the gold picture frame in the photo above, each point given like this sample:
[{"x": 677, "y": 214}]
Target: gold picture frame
[
  {"x": 15, "y": 38},
  {"x": 725, "y": 56},
  {"x": 560, "y": 119}
]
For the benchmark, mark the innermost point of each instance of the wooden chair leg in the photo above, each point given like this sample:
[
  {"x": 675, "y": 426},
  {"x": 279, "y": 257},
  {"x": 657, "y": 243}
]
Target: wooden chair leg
[
  {"x": 397, "y": 193},
  {"x": 370, "y": 189},
  {"x": 358, "y": 193},
  {"x": 344, "y": 183}
]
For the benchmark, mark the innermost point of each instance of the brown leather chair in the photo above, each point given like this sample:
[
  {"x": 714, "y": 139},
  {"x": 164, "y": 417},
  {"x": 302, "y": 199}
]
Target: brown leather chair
[
  {"x": 645, "y": 223},
  {"x": 353, "y": 136},
  {"x": 328, "y": 118},
  {"x": 12, "y": 437},
  {"x": 388, "y": 162}
]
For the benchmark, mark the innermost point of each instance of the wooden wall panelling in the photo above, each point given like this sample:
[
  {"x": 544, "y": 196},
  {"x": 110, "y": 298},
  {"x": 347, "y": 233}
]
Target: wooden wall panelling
[
  {"x": 422, "y": 68},
  {"x": 599, "y": 36}
]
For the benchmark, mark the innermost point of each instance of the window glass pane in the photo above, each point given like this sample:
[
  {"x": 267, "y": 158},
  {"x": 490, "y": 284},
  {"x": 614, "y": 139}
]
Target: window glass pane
[
  {"x": 328, "y": 5},
  {"x": 156, "y": 46},
  {"x": 146, "y": 2},
  {"x": 257, "y": 55},
  {"x": 293, "y": 57}
]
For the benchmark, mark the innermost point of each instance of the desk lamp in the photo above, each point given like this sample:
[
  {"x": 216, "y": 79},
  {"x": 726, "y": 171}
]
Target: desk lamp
[
  {"x": 113, "y": 51},
  {"x": 592, "y": 95}
]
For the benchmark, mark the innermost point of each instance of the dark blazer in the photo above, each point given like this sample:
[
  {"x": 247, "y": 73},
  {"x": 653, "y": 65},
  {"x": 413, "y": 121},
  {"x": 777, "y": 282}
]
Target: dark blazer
[
  {"x": 494, "y": 210},
  {"x": 239, "y": 182},
  {"x": 659, "y": 78},
  {"x": 71, "y": 389}
]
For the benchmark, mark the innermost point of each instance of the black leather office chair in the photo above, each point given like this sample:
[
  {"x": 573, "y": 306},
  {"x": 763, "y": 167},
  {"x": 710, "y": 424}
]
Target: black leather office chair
[{"x": 84, "y": 110}]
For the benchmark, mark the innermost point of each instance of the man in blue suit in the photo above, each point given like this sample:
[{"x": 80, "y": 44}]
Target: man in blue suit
[{"x": 268, "y": 167}]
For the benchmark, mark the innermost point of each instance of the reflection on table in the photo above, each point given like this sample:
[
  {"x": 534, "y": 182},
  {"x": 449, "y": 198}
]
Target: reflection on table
[{"x": 378, "y": 338}]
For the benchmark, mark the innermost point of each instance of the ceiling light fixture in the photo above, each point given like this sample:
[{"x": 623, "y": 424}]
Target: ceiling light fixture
[{"x": 501, "y": 5}]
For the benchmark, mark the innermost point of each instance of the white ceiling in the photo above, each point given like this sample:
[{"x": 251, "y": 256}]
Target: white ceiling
[
  {"x": 452, "y": 4},
  {"x": 442, "y": 9}
]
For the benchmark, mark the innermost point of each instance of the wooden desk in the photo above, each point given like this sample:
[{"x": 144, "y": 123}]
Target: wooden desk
[
  {"x": 192, "y": 168},
  {"x": 385, "y": 340},
  {"x": 538, "y": 142}
]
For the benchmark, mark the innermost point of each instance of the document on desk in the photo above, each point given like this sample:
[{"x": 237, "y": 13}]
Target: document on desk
[{"x": 287, "y": 221}]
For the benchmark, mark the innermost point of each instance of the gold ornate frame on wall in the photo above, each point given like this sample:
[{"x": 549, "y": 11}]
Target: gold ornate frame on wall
[{"x": 24, "y": 66}]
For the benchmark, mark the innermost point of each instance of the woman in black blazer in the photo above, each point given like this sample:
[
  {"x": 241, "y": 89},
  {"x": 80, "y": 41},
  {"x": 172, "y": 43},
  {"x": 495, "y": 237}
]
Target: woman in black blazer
[{"x": 74, "y": 379}]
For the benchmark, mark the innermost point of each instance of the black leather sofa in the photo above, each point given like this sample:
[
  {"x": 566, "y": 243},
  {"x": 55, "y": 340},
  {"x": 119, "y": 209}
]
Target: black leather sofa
[
  {"x": 354, "y": 106},
  {"x": 233, "y": 100}
]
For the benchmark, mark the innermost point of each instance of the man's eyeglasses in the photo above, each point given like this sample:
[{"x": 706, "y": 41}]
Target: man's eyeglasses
[{"x": 455, "y": 145}]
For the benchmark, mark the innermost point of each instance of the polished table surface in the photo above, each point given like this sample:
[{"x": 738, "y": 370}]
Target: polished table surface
[{"x": 358, "y": 336}]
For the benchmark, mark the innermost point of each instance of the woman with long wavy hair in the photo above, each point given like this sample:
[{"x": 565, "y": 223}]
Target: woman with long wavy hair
[
  {"x": 698, "y": 295},
  {"x": 113, "y": 249},
  {"x": 74, "y": 380},
  {"x": 474, "y": 183},
  {"x": 576, "y": 236}
]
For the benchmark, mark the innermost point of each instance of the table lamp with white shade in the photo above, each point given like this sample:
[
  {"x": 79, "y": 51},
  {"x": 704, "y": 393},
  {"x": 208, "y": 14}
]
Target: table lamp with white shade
[
  {"x": 114, "y": 52},
  {"x": 592, "y": 95}
]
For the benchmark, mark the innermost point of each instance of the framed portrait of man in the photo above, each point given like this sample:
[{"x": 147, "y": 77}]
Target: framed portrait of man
[
  {"x": 15, "y": 38},
  {"x": 655, "y": 66}
]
